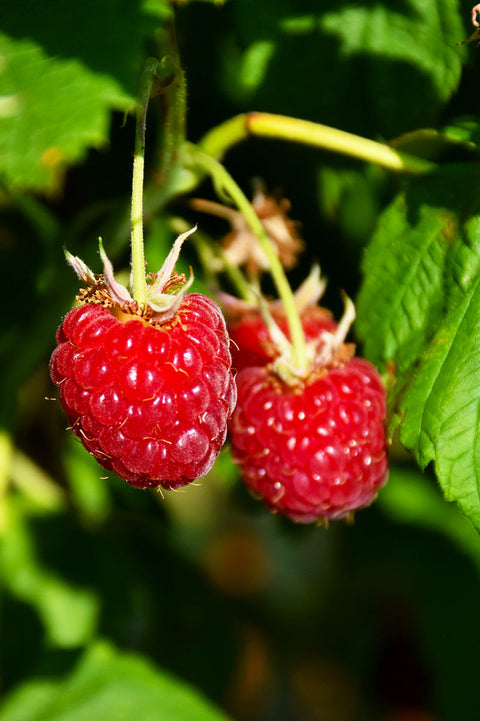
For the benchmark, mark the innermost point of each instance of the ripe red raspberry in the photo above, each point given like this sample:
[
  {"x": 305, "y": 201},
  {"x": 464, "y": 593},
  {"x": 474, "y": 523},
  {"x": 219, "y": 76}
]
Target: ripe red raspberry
[
  {"x": 149, "y": 403},
  {"x": 313, "y": 450},
  {"x": 251, "y": 342},
  {"x": 147, "y": 390}
]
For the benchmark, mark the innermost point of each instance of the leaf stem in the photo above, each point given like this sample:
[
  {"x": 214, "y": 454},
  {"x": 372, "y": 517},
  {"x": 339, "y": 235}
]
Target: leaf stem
[
  {"x": 220, "y": 139},
  {"x": 138, "y": 256},
  {"x": 225, "y": 185}
]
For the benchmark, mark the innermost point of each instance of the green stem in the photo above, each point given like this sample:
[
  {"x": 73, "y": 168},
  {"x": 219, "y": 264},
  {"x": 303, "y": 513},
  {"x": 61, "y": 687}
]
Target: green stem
[
  {"x": 172, "y": 86},
  {"x": 224, "y": 183},
  {"x": 138, "y": 256},
  {"x": 220, "y": 139},
  {"x": 238, "y": 280}
]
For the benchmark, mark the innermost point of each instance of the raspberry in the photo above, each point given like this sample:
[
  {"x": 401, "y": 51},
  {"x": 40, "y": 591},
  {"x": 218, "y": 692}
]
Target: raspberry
[
  {"x": 147, "y": 389},
  {"x": 316, "y": 449},
  {"x": 251, "y": 343},
  {"x": 149, "y": 403}
]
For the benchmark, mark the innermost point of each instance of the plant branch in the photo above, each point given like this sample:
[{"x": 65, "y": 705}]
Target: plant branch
[{"x": 220, "y": 139}]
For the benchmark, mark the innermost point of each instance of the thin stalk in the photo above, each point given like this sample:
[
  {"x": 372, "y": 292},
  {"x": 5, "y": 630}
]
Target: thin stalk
[
  {"x": 224, "y": 183},
  {"x": 138, "y": 256},
  {"x": 238, "y": 280},
  {"x": 220, "y": 139},
  {"x": 174, "y": 107}
]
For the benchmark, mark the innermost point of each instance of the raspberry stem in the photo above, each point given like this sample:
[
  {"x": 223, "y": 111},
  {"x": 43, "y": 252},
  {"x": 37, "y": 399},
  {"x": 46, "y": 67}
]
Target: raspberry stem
[
  {"x": 138, "y": 257},
  {"x": 225, "y": 185},
  {"x": 172, "y": 88},
  {"x": 268, "y": 125}
]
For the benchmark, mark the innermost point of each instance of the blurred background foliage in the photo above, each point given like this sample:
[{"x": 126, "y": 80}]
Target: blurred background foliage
[{"x": 115, "y": 602}]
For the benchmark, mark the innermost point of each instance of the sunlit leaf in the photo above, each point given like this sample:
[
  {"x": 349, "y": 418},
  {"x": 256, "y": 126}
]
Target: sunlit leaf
[
  {"x": 111, "y": 685},
  {"x": 58, "y": 87},
  {"x": 398, "y": 65},
  {"x": 419, "y": 315}
]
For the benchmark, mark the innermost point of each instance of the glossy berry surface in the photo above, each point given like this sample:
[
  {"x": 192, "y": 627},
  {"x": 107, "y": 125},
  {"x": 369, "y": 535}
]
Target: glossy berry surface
[
  {"x": 251, "y": 344},
  {"x": 314, "y": 451},
  {"x": 150, "y": 403}
]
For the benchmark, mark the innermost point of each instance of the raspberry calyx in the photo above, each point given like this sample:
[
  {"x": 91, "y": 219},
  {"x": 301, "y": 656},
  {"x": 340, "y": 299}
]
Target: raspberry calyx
[
  {"x": 164, "y": 290},
  {"x": 260, "y": 331}
]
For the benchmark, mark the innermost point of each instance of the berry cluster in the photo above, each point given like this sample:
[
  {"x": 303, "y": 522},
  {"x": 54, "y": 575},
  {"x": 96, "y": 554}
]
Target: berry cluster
[{"x": 150, "y": 393}]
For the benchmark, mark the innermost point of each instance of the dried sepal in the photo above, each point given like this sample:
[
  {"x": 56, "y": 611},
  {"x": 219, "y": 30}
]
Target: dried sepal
[
  {"x": 166, "y": 271},
  {"x": 164, "y": 290},
  {"x": 163, "y": 306},
  {"x": 241, "y": 247},
  {"x": 334, "y": 342},
  {"x": 81, "y": 269},
  {"x": 311, "y": 290},
  {"x": 118, "y": 293},
  {"x": 307, "y": 295}
]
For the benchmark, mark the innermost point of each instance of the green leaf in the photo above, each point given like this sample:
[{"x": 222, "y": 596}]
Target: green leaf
[
  {"x": 465, "y": 131},
  {"x": 109, "y": 685},
  {"x": 419, "y": 315},
  {"x": 462, "y": 135},
  {"x": 64, "y": 69},
  {"x": 54, "y": 110},
  {"x": 400, "y": 64},
  {"x": 442, "y": 402},
  {"x": 68, "y": 612}
]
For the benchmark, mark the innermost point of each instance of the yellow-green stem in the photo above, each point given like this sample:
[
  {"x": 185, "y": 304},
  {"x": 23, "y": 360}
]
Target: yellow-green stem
[
  {"x": 138, "y": 256},
  {"x": 219, "y": 140},
  {"x": 224, "y": 183}
]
